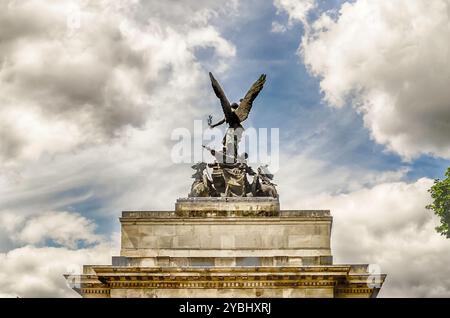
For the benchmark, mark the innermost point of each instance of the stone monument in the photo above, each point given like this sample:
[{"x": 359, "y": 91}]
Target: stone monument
[{"x": 228, "y": 238}]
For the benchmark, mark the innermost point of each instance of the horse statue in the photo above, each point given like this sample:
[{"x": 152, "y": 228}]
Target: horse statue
[
  {"x": 202, "y": 185},
  {"x": 262, "y": 185}
]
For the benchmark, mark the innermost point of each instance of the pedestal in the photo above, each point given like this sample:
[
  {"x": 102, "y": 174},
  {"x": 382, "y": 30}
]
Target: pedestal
[{"x": 227, "y": 247}]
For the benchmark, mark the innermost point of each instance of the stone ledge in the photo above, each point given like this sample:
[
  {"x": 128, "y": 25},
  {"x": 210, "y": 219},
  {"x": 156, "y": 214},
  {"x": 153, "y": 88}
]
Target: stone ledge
[
  {"x": 229, "y": 199},
  {"x": 319, "y": 270},
  {"x": 231, "y": 214},
  {"x": 214, "y": 261},
  {"x": 241, "y": 252},
  {"x": 305, "y": 213},
  {"x": 232, "y": 279},
  {"x": 227, "y": 207}
]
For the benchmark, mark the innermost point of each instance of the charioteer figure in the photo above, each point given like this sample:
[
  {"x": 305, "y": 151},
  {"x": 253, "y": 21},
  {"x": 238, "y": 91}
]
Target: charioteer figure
[{"x": 231, "y": 178}]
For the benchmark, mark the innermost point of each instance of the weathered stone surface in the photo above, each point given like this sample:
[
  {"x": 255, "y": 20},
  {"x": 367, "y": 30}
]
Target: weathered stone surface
[
  {"x": 294, "y": 234},
  {"x": 227, "y": 207},
  {"x": 243, "y": 247},
  {"x": 234, "y": 281}
]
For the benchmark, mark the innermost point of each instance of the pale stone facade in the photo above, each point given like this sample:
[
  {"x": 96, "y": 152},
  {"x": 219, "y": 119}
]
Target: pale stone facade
[{"x": 233, "y": 247}]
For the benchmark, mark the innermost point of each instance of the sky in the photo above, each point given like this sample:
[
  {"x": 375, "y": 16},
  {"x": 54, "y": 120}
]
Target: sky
[{"x": 91, "y": 93}]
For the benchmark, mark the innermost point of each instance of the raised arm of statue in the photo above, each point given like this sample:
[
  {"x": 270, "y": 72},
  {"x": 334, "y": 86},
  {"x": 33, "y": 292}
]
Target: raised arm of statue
[{"x": 217, "y": 124}]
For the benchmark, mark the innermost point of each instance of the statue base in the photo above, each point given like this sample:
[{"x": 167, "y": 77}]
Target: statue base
[
  {"x": 227, "y": 207},
  {"x": 227, "y": 247}
]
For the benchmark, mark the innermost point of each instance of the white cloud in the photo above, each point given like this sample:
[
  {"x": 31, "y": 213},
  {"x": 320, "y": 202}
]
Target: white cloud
[
  {"x": 63, "y": 228},
  {"x": 134, "y": 173},
  {"x": 87, "y": 113},
  {"x": 278, "y": 27},
  {"x": 66, "y": 84},
  {"x": 30, "y": 270},
  {"x": 296, "y": 9},
  {"x": 301, "y": 178},
  {"x": 391, "y": 60}
]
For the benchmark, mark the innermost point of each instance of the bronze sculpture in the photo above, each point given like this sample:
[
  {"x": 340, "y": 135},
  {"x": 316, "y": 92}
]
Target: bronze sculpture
[
  {"x": 235, "y": 114},
  {"x": 202, "y": 185},
  {"x": 230, "y": 170},
  {"x": 262, "y": 185}
]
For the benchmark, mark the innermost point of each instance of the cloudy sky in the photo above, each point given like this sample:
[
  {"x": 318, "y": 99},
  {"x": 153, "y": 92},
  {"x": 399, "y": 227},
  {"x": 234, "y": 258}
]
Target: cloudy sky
[{"x": 91, "y": 92}]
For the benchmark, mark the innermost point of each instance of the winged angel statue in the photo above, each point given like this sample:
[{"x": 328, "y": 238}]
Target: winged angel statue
[
  {"x": 234, "y": 115},
  {"x": 230, "y": 170}
]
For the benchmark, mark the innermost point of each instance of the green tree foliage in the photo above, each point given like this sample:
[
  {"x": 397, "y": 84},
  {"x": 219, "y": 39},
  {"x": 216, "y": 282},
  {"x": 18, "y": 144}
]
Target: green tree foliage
[{"x": 440, "y": 192}]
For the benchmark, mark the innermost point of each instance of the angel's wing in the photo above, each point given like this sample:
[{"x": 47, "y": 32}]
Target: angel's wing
[
  {"x": 221, "y": 95},
  {"x": 246, "y": 104}
]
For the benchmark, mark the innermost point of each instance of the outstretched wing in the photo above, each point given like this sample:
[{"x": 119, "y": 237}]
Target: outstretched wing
[
  {"x": 221, "y": 95},
  {"x": 246, "y": 104}
]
